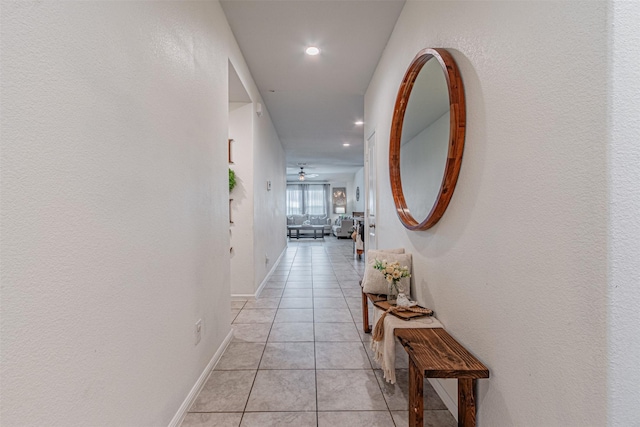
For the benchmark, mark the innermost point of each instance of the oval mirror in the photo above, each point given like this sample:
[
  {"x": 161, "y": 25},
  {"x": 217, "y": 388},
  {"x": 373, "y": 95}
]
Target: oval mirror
[{"x": 427, "y": 138}]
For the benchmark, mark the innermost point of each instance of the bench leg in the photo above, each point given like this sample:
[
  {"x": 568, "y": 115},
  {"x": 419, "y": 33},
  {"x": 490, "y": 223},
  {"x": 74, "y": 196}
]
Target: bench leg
[
  {"x": 365, "y": 314},
  {"x": 416, "y": 404},
  {"x": 466, "y": 402}
]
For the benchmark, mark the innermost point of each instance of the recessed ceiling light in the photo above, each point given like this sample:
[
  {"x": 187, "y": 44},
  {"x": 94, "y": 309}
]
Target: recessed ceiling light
[
  {"x": 312, "y": 50},
  {"x": 359, "y": 123},
  {"x": 346, "y": 144}
]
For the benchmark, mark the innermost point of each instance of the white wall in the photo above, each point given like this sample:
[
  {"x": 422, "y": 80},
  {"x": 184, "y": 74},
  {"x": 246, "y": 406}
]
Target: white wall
[
  {"x": 259, "y": 161},
  {"x": 358, "y": 182},
  {"x": 270, "y": 226},
  {"x": 624, "y": 221},
  {"x": 114, "y": 208},
  {"x": 517, "y": 267},
  {"x": 242, "y": 229}
]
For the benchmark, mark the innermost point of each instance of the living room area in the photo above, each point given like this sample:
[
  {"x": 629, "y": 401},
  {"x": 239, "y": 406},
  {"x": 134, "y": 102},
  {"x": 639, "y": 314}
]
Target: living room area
[{"x": 315, "y": 209}]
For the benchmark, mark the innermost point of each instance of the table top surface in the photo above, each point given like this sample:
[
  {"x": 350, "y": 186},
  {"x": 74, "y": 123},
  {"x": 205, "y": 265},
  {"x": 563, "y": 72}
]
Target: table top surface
[
  {"x": 438, "y": 355},
  {"x": 305, "y": 227}
]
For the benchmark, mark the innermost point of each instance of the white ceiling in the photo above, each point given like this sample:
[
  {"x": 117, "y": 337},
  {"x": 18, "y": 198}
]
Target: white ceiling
[{"x": 314, "y": 100}]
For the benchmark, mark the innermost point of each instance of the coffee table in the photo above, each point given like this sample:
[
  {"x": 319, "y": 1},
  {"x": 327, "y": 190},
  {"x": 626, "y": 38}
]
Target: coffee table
[{"x": 298, "y": 228}]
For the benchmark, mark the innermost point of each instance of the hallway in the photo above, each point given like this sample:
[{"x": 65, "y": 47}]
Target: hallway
[{"x": 299, "y": 357}]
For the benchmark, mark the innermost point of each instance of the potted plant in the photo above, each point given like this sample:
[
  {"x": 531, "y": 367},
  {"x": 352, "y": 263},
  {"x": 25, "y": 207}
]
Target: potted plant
[{"x": 232, "y": 179}]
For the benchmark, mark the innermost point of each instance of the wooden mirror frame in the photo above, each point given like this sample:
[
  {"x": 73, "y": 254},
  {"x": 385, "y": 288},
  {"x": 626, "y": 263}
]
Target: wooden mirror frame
[{"x": 457, "y": 116}]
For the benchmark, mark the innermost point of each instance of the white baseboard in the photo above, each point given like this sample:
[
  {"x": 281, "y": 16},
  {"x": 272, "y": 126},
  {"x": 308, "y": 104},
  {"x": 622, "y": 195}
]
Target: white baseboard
[
  {"x": 188, "y": 401},
  {"x": 450, "y": 402},
  {"x": 244, "y": 297},
  {"x": 270, "y": 273}
]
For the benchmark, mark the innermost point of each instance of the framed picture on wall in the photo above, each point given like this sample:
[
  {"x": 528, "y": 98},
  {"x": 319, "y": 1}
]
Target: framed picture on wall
[{"x": 339, "y": 200}]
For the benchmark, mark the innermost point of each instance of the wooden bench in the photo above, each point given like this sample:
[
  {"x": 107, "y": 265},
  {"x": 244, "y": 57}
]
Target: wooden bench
[
  {"x": 433, "y": 353},
  {"x": 365, "y": 308}
]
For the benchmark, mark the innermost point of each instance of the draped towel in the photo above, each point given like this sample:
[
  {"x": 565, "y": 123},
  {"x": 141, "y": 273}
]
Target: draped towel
[{"x": 384, "y": 351}]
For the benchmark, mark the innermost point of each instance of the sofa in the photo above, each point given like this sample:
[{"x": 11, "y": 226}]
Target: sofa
[
  {"x": 343, "y": 228},
  {"x": 313, "y": 220}
]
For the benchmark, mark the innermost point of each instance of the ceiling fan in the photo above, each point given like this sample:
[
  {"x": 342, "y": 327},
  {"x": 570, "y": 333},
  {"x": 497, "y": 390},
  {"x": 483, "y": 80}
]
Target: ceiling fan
[{"x": 302, "y": 175}]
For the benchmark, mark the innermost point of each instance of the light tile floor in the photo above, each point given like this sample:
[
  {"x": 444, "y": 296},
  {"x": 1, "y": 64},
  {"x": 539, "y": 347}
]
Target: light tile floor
[{"x": 299, "y": 358}]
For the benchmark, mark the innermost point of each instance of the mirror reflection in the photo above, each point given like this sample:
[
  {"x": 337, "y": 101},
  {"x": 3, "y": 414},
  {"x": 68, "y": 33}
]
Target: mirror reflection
[{"x": 425, "y": 140}]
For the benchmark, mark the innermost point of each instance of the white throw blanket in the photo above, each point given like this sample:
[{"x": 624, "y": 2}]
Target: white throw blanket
[{"x": 385, "y": 351}]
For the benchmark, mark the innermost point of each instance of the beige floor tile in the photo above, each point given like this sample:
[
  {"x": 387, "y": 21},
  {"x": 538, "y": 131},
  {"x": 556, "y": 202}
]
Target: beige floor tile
[
  {"x": 355, "y": 419},
  {"x": 294, "y": 315},
  {"x": 326, "y": 285},
  {"x": 224, "y": 391},
  {"x": 327, "y": 293},
  {"x": 332, "y": 315},
  {"x": 279, "y": 419},
  {"x": 250, "y": 332},
  {"x": 195, "y": 419},
  {"x": 271, "y": 292},
  {"x": 341, "y": 355},
  {"x": 291, "y": 332},
  {"x": 298, "y": 293},
  {"x": 330, "y": 302},
  {"x": 241, "y": 355},
  {"x": 275, "y": 284},
  {"x": 349, "y": 390},
  {"x": 283, "y": 391},
  {"x": 354, "y": 302},
  {"x": 256, "y": 315},
  {"x": 298, "y": 275},
  {"x": 336, "y": 332},
  {"x": 296, "y": 303},
  {"x": 263, "y": 303},
  {"x": 306, "y": 284},
  {"x": 352, "y": 292},
  {"x": 288, "y": 355}
]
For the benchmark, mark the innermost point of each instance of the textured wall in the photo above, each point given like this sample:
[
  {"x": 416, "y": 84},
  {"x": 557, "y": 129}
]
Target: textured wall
[
  {"x": 624, "y": 232},
  {"x": 266, "y": 162},
  {"x": 517, "y": 267},
  {"x": 114, "y": 211},
  {"x": 270, "y": 225},
  {"x": 358, "y": 182},
  {"x": 242, "y": 229}
]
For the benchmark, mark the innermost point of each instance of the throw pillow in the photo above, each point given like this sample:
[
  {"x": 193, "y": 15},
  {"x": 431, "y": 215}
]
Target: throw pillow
[
  {"x": 374, "y": 281},
  {"x": 376, "y": 252},
  {"x": 290, "y": 220}
]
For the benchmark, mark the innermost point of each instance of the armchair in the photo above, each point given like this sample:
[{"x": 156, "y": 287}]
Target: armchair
[{"x": 344, "y": 229}]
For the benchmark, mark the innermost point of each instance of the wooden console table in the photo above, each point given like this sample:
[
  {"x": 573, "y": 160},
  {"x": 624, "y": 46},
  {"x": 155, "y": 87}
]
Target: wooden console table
[{"x": 433, "y": 353}]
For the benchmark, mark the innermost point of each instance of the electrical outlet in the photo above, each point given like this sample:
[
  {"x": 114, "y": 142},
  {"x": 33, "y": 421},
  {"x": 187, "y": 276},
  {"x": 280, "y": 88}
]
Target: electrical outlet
[{"x": 198, "y": 331}]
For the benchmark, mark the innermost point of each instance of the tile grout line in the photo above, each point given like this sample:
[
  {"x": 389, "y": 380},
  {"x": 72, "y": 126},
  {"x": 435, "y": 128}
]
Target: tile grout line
[
  {"x": 260, "y": 361},
  {"x": 315, "y": 357}
]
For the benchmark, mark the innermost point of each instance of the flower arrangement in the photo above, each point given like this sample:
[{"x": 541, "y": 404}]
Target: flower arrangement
[{"x": 392, "y": 272}]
